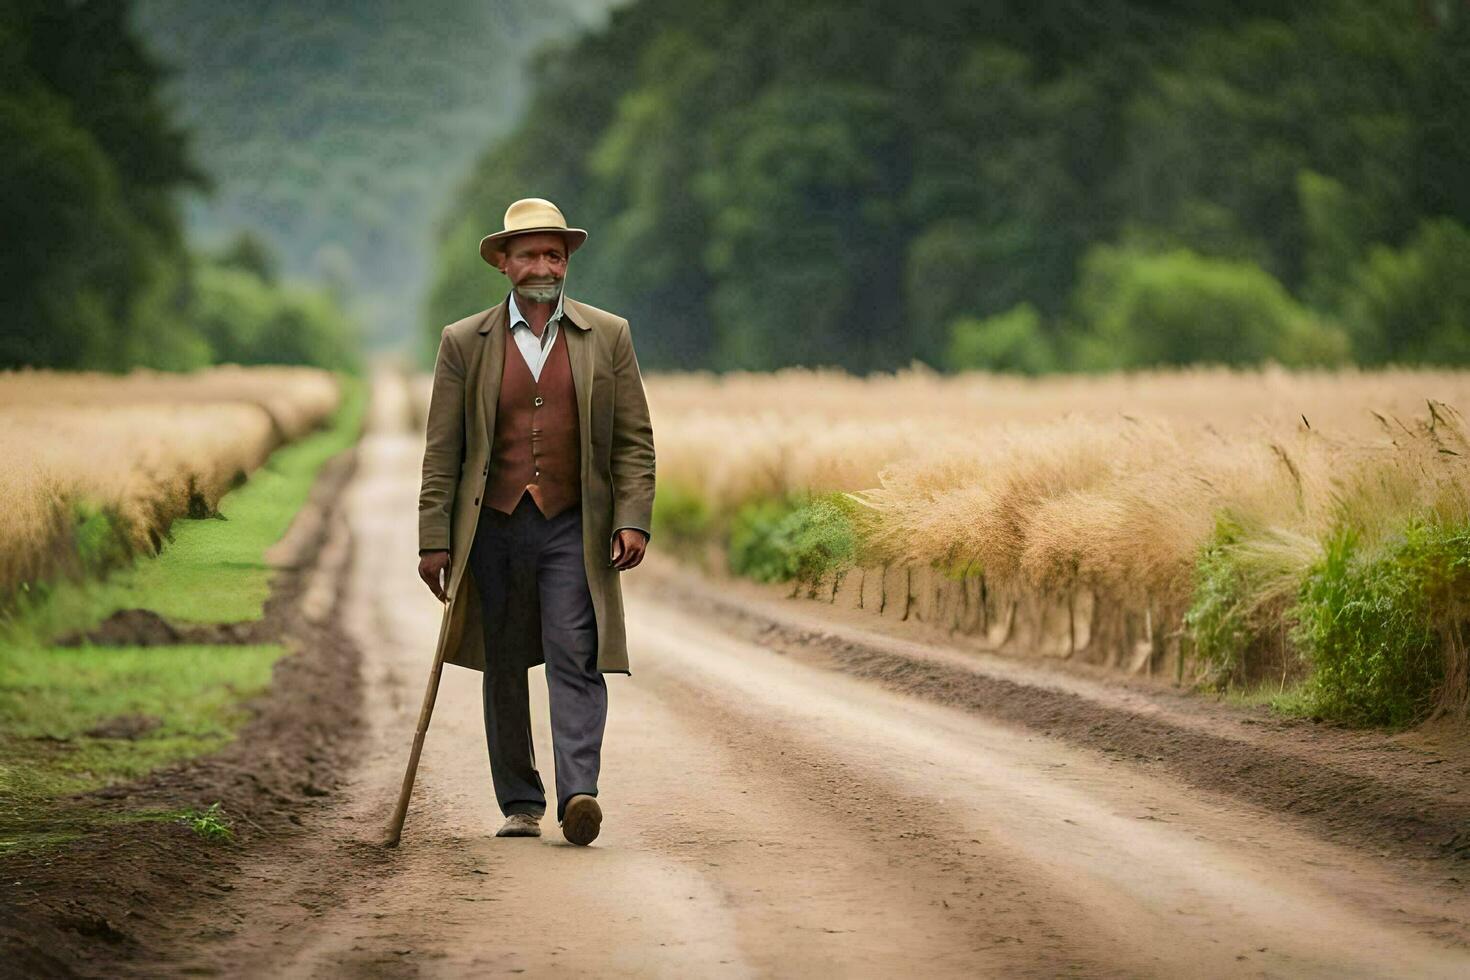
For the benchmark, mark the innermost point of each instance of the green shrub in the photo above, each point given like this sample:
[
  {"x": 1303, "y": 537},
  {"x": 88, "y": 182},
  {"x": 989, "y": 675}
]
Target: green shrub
[
  {"x": 793, "y": 538},
  {"x": 681, "y": 517},
  {"x": 1412, "y": 305},
  {"x": 1246, "y": 578},
  {"x": 1374, "y": 625},
  {"x": 248, "y": 320},
  {"x": 1218, "y": 626},
  {"x": 1177, "y": 307},
  {"x": 1010, "y": 341},
  {"x": 753, "y": 550},
  {"x": 102, "y": 544}
]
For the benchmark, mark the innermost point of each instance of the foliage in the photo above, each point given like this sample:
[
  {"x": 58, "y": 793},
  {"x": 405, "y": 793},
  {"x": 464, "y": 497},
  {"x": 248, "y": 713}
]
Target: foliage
[
  {"x": 90, "y": 163},
  {"x": 1010, "y": 341},
  {"x": 840, "y": 182},
  {"x": 1216, "y": 619},
  {"x": 1244, "y": 581},
  {"x": 752, "y": 548},
  {"x": 247, "y": 318},
  {"x": 792, "y": 539},
  {"x": 1337, "y": 227},
  {"x": 1374, "y": 624},
  {"x": 1412, "y": 305},
  {"x": 250, "y": 253},
  {"x": 209, "y": 823},
  {"x": 681, "y": 518},
  {"x": 1180, "y": 307}
]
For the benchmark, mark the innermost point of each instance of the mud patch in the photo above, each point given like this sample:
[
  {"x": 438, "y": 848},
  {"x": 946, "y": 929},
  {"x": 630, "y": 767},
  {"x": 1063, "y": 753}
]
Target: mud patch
[
  {"x": 89, "y": 906},
  {"x": 145, "y": 628},
  {"x": 124, "y": 726}
]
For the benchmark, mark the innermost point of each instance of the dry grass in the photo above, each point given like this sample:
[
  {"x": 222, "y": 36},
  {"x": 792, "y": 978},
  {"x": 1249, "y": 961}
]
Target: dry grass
[
  {"x": 1229, "y": 400},
  {"x": 1015, "y": 468},
  {"x": 1110, "y": 482},
  {"x": 142, "y": 449},
  {"x": 1106, "y": 482}
]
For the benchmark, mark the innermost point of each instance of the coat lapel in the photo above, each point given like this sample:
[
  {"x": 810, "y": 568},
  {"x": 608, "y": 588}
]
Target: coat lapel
[
  {"x": 580, "y": 350},
  {"x": 492, "y": 365}
]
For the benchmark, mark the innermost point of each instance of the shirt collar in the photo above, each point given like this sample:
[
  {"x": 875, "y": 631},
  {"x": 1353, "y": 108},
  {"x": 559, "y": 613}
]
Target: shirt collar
[{"x": 516, "y": 317}]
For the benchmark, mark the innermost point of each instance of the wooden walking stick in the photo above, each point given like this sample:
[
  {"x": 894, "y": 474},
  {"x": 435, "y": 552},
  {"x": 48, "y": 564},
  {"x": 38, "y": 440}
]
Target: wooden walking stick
[{"x": 395, "y": 828}]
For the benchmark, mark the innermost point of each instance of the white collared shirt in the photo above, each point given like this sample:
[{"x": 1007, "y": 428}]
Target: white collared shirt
[{"x": 535, "y": 349}]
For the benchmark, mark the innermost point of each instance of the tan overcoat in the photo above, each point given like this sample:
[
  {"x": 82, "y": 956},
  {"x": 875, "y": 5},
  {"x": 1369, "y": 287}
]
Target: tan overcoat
[{"x": 616, "y": 459}]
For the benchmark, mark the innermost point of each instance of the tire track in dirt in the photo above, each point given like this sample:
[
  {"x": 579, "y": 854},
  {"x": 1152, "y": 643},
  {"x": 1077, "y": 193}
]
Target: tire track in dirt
[
  {"x": 1142, "y": 873},
  {"x": 1404, "y": 795}
]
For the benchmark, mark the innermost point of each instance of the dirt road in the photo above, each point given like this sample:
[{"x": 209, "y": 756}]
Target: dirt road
[{"x": 764, "y": 817}]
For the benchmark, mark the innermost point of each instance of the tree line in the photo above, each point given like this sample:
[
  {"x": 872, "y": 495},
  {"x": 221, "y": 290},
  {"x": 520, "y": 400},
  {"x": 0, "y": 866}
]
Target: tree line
[
  {"x": 1074, "y": 184},
  {"x": 97, "y": 272}
]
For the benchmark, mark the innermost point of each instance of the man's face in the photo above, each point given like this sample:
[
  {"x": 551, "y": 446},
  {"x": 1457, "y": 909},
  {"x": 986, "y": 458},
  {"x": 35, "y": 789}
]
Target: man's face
[{"x": 535, "y": 265}]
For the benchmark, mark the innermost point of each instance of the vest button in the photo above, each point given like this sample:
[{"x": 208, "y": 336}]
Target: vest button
[{"x": 538, "y": 400}]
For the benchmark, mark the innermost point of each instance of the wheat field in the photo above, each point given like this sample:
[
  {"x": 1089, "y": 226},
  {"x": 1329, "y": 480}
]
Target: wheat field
[
  {"x": 1149, "y": 521},
  {"x": 1111, "y": 481},
  {"x": 143, "y": 449},
  {"x": 1224, "y": 527}
]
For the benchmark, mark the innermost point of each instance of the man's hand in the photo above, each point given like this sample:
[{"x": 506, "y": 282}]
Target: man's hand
[
  {"x": 627, "y": 548},
  {"x": 432, "y": 565}
]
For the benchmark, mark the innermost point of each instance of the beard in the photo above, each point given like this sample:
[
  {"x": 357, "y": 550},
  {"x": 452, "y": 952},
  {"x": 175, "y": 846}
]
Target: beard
[{"x": 539, "y": 292}]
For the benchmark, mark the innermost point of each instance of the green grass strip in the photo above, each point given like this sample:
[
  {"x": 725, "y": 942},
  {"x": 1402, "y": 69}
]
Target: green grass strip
[
  {"x": 190, "y": 698},
  {"x": 51, "y": 697}
]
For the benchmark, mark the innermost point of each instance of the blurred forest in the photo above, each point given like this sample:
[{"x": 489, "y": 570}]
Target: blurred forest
[
  {"x": 98, "y": 272},
  {"x": 1074, "y": 184},
  {"x": 862, "y": 183},
  {"x": 332, "y": 130}
]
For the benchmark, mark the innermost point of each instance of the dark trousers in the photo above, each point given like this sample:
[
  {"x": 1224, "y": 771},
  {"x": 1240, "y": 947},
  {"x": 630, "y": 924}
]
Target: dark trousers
[{"x": 529, "y": 570}]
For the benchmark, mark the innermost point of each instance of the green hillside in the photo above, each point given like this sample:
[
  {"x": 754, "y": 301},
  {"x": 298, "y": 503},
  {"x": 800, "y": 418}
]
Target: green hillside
[{"x": 336, "y": 131}]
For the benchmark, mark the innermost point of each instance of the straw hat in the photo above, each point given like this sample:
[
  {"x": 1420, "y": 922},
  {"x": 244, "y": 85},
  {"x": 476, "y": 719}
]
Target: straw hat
[{"x": 530, "y": 214}]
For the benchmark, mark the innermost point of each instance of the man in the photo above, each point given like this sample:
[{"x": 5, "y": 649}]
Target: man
[{"x": 537, "y": 492}]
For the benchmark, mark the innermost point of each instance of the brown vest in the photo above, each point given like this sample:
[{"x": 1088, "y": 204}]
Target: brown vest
[{"x": 536, "y": 444}]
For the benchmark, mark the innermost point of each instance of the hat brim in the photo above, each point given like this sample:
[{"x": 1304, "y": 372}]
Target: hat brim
[{"x": 492, "y": 246}]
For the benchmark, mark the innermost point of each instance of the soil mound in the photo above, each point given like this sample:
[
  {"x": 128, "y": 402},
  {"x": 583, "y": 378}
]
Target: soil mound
[{"x": 145, "y": 628}]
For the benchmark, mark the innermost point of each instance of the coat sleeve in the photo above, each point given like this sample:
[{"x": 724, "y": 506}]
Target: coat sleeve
[
  {"x": 632, "y": 441},
  {"x": 443, "y": 446}
]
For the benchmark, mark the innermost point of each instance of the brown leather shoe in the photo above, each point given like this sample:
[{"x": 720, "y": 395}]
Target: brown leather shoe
[
  {"x": 520, "y": 825},
  {"x": 582, "y": 819}
]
